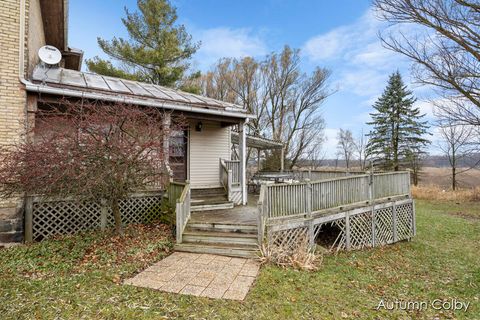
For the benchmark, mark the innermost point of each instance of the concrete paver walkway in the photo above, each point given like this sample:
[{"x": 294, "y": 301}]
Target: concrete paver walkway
[{"x": 204, "y": 275}]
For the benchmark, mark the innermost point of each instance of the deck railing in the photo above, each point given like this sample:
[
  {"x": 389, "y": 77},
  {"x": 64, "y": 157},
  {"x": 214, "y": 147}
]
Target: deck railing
[
  {"x": 313, "y": 175},
  {"x": 182, "y": 211},
  {"x": 234, "y": 167},
  {"x": 283, "y": 200},
  {"x": 174, "y": 191}
]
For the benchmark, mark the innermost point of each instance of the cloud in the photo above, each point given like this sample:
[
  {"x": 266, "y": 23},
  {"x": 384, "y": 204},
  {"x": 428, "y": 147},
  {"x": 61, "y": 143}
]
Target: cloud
[
  {"x": 227, "y": 42},
  {"x": 426, "y": 107},
  {"x": 331, "y": 141},
  {"x": 361, "y": 63},
  {"x": 326, "y": 46}
]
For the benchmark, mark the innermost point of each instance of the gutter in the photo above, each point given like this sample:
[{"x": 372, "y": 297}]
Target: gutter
[{"x": 129, "y": 100}]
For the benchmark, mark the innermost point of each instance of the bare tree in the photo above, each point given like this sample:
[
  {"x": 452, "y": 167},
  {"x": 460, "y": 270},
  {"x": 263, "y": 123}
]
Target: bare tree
[
  {"x": 456, "y": 144},
  {"x": 444, "y": 46},
  {"x": 286, "y": 101},
  {"x": 346, "y": 145},
  {"x": 360, "y": 144}
]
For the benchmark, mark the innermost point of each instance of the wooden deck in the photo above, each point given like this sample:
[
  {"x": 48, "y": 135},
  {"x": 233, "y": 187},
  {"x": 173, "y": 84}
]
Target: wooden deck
[{"x": 240, "y": 215}]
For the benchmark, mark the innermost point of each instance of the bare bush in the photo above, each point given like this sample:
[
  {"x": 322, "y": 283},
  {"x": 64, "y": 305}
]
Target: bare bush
[{"x": 298, "y": 255}]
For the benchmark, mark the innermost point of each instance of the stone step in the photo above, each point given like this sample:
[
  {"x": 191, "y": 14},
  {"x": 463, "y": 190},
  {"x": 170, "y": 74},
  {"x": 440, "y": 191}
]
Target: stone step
[
  {"x": 220, "y": 227},
  {"x": 220, "y": 249},
  {"x": 231, "y": 238},
  {"x": 215, "y": 206}
]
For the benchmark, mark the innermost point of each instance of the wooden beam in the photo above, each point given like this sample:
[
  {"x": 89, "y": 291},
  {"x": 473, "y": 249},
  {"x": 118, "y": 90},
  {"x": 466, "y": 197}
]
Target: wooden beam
[{"x": 54, "y": 14}]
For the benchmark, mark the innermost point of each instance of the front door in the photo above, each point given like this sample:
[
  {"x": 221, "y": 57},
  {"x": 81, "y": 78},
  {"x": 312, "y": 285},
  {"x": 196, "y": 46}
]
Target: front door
[{"x": 178, "y": 155}]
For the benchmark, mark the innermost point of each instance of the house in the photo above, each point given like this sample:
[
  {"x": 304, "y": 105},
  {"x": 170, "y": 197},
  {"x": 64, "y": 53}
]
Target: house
[
  {"x": 202, "y": 155},
  {"x": 209, "y": 187}
]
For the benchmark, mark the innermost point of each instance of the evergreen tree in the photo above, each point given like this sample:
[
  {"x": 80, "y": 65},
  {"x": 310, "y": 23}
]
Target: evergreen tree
[
  {"x": 157, "y": 50},
  {"x": 398, "y": 130}
]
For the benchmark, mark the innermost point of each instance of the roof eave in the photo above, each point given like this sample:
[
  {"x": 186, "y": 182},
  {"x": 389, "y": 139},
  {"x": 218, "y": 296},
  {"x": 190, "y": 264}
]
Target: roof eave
[{"x": 67, "y": 92}]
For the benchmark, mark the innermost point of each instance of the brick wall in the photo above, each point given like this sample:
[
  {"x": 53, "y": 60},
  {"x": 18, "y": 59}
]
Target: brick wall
[{"x": 12, "y": 108}]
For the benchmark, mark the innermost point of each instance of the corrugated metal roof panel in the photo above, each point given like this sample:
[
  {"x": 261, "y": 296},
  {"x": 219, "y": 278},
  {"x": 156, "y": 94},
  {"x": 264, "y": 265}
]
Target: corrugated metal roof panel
[
  {"x": 73, "y": 78},
  {"x": 116, "y": 85},
  {"x": 95, "y": 81},
  {"x": 136, "y": 88},
  {"x": 156, "y": 91}
]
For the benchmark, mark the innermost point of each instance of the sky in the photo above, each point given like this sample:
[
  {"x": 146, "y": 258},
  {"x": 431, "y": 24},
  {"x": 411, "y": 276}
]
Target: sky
[{"x": 341, "y": 35}]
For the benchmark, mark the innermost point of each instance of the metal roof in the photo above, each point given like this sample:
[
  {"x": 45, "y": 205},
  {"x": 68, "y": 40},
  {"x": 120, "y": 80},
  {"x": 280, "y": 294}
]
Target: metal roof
[
  {"x": 89, "y": 85},
  {"x": 257, "y": 142}
]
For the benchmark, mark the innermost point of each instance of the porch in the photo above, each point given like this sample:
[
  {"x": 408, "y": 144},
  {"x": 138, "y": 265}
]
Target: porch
[{"x": 365, "y": 210}]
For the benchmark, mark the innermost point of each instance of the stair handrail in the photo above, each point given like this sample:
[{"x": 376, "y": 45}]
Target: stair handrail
[
  {"x": 262, "y": 212},
  {"x": 182, "y": 211},
  {"x": 224, "y": 170}
]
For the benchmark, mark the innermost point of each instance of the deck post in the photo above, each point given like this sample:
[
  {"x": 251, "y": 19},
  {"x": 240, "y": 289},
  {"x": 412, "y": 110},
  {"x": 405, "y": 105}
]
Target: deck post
[
  {"x": 394, "y": 222},
  {"x": 29, "y": 219},
  {"x": 242, "y": 146},
  {"x": 311, "y": 231},
  {"x": 347, "y": 231},
  {"x": 371, "y": 202}
]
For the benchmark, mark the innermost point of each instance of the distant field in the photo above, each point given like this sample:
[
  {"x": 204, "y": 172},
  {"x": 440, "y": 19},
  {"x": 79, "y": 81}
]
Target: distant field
[{"x": 441, "y": 177}]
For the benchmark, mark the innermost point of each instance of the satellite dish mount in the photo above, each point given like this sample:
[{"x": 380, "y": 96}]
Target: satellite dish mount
[{"x": 49, "y": 55}]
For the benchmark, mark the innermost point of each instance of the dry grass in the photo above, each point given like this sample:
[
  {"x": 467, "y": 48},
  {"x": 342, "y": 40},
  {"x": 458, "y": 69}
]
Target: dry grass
[
  {"x": 442, "y": 177},
  {"x": 297, "y": 255},
  {"x": 434, "y": 192}
]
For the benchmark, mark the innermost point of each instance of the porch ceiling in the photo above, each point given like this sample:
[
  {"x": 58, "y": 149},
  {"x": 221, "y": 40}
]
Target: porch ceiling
[{"x": 258, "y": 142}]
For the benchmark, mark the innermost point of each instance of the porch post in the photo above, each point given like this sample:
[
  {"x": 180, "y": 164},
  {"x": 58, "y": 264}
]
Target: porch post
[
  {"x": 242, "y": 155},
  {"x": 282, "y": 159},
  {"x": 258, "y": 160},
  {"x": 167, "y": 120}
]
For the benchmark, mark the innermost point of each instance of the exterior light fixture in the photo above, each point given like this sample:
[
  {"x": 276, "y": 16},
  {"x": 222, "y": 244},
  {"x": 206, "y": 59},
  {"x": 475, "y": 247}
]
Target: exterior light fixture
[{"x": 199, "y": 126}]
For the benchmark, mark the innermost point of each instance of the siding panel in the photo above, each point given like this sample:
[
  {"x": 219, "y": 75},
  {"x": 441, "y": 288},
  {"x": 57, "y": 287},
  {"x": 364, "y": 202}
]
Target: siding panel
[{"x": 206, "y": 148}]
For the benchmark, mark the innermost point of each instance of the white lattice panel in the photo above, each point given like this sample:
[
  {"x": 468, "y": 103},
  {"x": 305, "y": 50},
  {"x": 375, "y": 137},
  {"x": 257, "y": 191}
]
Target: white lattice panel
[
  {"x": 404, "y": 221},
  {"x": 364, "y": 229},
  {"x": 384, "y": 226},
  {"x": 361, "y": 230},
  {"x": 287, "y": 240},
  {"x": 52, "y": 218}
]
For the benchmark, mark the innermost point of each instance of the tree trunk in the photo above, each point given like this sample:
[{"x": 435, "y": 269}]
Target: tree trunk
[
  {"x": 454, "y": 178},
  {"x": 117, "y": 217}
]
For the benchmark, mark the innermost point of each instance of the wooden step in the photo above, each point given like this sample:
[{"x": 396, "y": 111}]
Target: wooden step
[
  {"x": 214, "y": 206},
  {"x": 201, "y": 193},
  {"x": 210, "y": 237},
  {"x": 220, "y": 249},
  {"x": 220, "y": 227},
  {"x": 209, "y": 200}
]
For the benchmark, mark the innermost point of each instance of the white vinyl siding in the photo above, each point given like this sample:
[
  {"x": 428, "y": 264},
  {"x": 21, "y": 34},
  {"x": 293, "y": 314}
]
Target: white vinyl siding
[{"x": 206, "y": 148}]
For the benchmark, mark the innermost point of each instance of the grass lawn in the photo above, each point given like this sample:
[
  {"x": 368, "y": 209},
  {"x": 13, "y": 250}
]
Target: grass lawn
[{"x": 79, "y": 277}]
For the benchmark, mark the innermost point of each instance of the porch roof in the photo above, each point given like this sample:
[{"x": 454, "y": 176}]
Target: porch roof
[
  {"x": 258, "y": 142},
  {"x": 78, "y": 84}
]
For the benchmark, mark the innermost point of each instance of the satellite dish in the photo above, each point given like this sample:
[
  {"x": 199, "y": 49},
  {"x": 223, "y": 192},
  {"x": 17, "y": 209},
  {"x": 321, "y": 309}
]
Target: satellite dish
[{"x": 49, "y": 55}]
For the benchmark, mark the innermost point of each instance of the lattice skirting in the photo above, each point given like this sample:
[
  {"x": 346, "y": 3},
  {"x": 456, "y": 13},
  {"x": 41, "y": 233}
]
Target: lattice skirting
[
  {"x": 363, "y": 227},
  {"x": 236, "y": 196},
  {"x": 50, "y": 218}
]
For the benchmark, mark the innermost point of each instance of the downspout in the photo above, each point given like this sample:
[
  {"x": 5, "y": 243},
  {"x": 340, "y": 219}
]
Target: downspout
[
  {"x": 21, "y": 66},
  {"x": 21, "y": 58}
]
